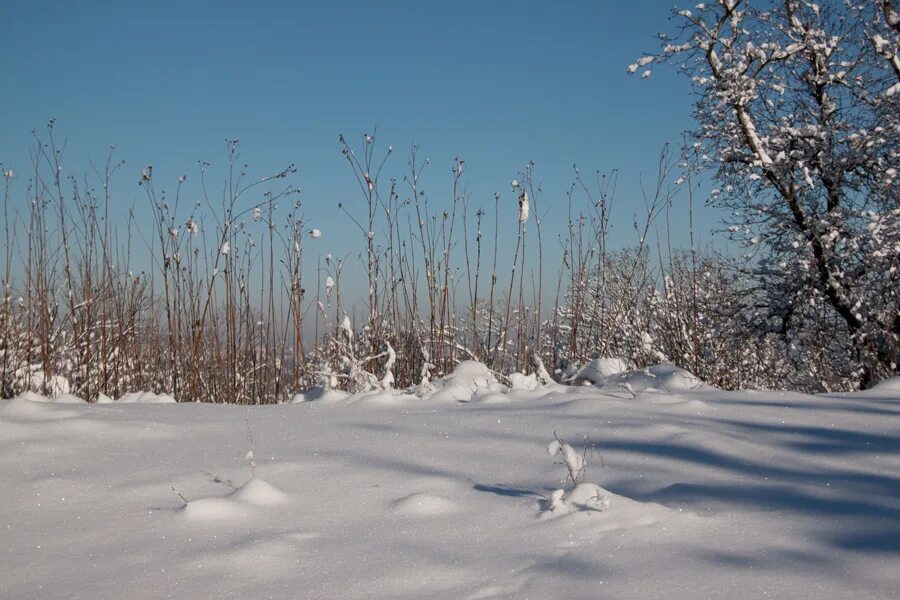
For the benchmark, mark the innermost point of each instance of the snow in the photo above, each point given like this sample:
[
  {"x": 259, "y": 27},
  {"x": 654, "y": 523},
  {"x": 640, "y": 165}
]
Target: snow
[
  {"x": 599, "y": 370},
  {"x": 585, "y": 497},
  {"x": 666, "y": 377},
  {"x": 56, "y": 384},
  {"x": 882, "y": 46},
  {"x": 423, "y": 504},
  {"x": 573, "y": 461},
  {"x": 33, "y": 396},
  {"x": 146, "y": 398},
  {"x": 68, "y": 399},
  {"x": 468, "y": 381},
  {"x": 260, "y": 493},
  {"x": 687, "y": 491},
  {"x": 890, "y": 386},
  {"x": 520, "y": 381},
  {"x": 210, "y": 510},
  {"x": 320, "y": 394},
  {"x": 523, "y": 207},
  {"x": 22, "y": 407}
]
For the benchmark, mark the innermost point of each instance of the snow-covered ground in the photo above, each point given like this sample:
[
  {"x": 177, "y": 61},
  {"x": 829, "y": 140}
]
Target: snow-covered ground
[{"x": 702, "y": 494}]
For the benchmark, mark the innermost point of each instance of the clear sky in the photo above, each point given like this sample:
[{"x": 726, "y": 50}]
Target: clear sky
[{"x": 495, "y": 83}]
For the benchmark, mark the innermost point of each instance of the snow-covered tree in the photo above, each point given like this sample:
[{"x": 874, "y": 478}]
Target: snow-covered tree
[{"x": 798, "y": 114}]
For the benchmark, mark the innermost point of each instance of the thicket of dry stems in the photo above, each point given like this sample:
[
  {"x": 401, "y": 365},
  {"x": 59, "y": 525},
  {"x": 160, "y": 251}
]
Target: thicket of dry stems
[{"x": 218, "y": 311}]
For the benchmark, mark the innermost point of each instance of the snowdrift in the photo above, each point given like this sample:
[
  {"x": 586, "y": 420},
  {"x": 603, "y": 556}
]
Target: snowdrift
[{"x": 681, "y": 490}]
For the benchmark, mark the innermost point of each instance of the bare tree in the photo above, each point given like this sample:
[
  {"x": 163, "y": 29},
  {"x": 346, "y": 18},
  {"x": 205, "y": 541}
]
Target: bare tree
[{"x": 797, "y": 114}]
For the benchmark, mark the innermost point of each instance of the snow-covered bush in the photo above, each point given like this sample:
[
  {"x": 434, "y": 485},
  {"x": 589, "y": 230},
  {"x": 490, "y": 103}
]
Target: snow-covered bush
[
  {"x": 574, "y": 462},
  {"x": 221, "y": 312},
  {"x": 575, "y": 495}
]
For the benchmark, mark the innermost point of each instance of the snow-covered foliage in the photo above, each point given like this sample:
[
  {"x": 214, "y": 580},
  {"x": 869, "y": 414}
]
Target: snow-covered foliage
[
  {"x": 223, "y": 313},
  {"x": 575, "y": 495},
  {"x": 523, "y": 207},
  {"x": 798, "y": 116},
  {"x": 573, "y": 461}
]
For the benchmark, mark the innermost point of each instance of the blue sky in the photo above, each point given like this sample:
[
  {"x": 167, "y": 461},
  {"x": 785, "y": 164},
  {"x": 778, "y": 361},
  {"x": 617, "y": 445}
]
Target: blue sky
[{"x": 495, "y": 83}]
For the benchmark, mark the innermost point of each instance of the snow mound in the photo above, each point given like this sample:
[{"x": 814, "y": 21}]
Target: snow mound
[
  {"x": 520, "y": 382},
  {"x": 599, "y": 370},
  {"x": 891, "y": 385},
  {"x": 675, "y": 378},
  {"x": 208, "y": 510},
  {"x": 382, "y": 398},
  {"x": 488, "y": 396},
  {"x": 423, "y": 504},
  {"x": 64, "y": 398},
  {"x": 467, "y": 378},
  {"x": 585, "y": 496},
  {"x": 22, "y": 407},
  {"x": 604, "y": 510},
  {"x": 618, "y": 373},
  {"x": 319, "y": 394},
  {"x": 237, "y": 505},
  {"x": 68, "y": 399},
  {"x": 664, "y": 377},
  {"x": 146, "y": 398},
  {"x": 259, "y": 493},
  {"x": 104, "y": 399},
  {"x": 32, "y": 396}
]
